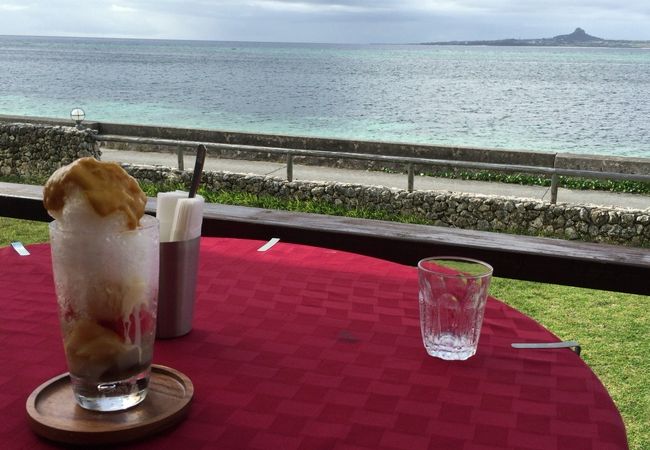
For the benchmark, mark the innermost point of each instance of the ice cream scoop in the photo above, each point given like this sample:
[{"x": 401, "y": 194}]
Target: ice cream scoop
[{"x": 87, "y": 191}]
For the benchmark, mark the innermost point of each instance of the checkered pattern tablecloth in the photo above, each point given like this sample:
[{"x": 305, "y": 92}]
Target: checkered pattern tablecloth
[{"x": 307, "y": 348}]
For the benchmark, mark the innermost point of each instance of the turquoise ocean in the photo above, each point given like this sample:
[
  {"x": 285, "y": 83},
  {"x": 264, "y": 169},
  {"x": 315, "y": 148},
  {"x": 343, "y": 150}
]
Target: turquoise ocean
[{"x": 578, "y": 100}]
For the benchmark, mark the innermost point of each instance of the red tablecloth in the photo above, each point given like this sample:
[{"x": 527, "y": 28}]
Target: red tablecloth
[{"x": 307, "y": 348}]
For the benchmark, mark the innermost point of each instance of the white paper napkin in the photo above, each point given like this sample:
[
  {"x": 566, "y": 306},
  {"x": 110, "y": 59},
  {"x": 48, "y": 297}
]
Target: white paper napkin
[
  {"x": 165, "y": 211},
  {"x": 188, "y": 218}
]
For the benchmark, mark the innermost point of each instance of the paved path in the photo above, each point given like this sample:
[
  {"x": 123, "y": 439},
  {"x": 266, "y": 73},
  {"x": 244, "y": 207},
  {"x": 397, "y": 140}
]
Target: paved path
[{"x": 315, "y": 173}]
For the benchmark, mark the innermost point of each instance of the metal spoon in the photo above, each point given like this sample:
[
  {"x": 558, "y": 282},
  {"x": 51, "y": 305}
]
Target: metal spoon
[
  {"x": 565, "y": 344},
  {"x": 198, "y": 169}
]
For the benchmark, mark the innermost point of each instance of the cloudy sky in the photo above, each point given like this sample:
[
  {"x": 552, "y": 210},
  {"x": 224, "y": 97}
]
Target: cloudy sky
[{"x": 335, "y": 21}]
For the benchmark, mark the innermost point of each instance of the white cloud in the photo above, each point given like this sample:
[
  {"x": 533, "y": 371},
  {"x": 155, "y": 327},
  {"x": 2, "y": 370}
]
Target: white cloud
[
  {"x": 12, "y": 7},
  {"x": 308, "y": 7},
  {"x": 122, "y": 9}
]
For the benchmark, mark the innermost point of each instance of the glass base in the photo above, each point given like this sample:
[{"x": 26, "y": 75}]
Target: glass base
[
  {"x": 111, "y": 395},
  {"x": 450, "y": 347}
]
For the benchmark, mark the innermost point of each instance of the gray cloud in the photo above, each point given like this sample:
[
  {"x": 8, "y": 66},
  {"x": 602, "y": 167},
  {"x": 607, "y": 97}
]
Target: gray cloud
[{"x": 326, "y": 20}]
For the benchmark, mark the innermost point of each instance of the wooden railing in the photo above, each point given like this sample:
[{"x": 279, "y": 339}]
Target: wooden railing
[
  {"x": 572, "y": 263},
  {"x": 409, "y": 162}
]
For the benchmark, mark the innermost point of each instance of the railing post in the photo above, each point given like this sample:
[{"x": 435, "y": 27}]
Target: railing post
[
  {"x": 289, "y": 167},
  {"x": 181, "y": 164},
  {"x": 555, "y": 181},
  {"x": 411, "y": 175}
]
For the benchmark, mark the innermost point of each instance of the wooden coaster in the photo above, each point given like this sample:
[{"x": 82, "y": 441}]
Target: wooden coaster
[{"x": 53, "y": 412}]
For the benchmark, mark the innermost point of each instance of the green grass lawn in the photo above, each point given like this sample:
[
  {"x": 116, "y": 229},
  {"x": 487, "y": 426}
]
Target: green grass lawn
[
  {"x": 25, "y": 231},
  {"x": 613, "y": 328}
]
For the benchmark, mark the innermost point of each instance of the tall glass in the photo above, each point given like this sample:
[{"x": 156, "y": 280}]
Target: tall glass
[
  {"x": 107, "y": 289},
  {"x": 453, "y": 292}
]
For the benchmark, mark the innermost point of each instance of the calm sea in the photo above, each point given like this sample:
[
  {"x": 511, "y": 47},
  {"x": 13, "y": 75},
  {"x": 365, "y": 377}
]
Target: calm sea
[{"x": 550, "y": 99}]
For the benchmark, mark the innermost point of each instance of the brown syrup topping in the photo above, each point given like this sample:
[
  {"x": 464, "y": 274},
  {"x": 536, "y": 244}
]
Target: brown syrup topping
[{"x": 106, "y": 185}]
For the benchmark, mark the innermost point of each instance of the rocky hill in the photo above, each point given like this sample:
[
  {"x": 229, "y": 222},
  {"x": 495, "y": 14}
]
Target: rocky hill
[{"x": 579, "y": 38}]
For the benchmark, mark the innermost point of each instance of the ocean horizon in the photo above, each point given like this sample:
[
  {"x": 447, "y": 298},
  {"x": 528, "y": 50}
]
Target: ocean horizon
[{"x": 555, "y": 99}]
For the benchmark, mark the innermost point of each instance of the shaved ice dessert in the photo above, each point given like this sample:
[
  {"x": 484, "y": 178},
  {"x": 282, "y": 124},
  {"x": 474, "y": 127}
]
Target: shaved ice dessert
[{"x": 105, "y": 264}]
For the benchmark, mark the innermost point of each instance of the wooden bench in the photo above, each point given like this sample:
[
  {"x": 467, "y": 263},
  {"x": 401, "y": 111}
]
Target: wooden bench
[{"x": 572, "y": 263}]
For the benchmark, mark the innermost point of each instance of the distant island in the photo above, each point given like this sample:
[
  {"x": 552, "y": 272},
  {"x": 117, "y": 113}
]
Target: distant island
[{"x": 579, "y": 38}]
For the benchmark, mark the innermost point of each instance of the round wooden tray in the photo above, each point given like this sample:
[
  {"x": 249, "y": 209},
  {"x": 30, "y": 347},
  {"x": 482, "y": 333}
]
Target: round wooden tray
[{"x": 54, "y": 414}]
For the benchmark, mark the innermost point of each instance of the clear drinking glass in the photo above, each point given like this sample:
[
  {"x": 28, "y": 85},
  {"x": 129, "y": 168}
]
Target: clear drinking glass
[
  {"x": 107, "y": 289},
  {"x": 453, "y": 292}
]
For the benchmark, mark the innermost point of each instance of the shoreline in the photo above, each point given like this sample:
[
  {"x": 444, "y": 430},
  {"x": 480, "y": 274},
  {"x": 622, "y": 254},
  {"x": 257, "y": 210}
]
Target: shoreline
[
  {"x": 564, "y": 160},
  {"x": 65, "y": 121}
]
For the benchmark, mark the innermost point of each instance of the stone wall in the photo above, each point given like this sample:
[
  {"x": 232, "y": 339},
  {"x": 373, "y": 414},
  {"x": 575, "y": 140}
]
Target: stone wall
[
  {"x": 469, "y": 211},
  {"x": 35, "y": 151}
]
